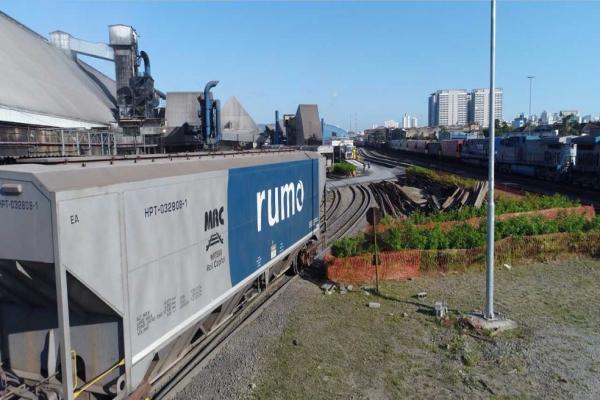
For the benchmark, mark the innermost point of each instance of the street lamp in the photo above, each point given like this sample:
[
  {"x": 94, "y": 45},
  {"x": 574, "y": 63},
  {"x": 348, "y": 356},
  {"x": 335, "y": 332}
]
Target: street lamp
[{"x": 530, "y": 89}]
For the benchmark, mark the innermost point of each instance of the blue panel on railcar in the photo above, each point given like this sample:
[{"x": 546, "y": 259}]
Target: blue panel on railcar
[{"x": 271, "y": 207}]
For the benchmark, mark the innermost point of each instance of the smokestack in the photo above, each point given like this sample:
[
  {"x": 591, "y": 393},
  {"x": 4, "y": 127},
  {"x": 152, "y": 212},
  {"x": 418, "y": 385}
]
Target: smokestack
[
  {"x": 277, "y": 133},
  {"x": 123, "y": 40}
]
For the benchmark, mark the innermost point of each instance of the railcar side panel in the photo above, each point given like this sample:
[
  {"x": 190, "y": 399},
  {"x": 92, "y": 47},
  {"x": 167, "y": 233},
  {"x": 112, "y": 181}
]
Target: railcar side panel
[{"x": 272, "y": 208}]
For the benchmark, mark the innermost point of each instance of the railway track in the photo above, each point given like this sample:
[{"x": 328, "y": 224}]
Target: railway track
[
  {"x": 532, "y": 185},
  {"x": 347, "y": 216}
]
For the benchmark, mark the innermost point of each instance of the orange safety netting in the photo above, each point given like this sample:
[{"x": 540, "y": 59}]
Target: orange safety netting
[{"x": 399, "y": 265}]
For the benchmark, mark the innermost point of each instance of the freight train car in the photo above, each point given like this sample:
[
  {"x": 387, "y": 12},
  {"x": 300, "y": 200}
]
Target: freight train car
[
  {"x": 398, "y": 144},
  {"x": 586, "y": 171},
  {"x": 434, "y": 149},
  {"x": 451, "y": 148},
  {"x": 417, "y": 145},
  {"x": 112, "y": 271}
]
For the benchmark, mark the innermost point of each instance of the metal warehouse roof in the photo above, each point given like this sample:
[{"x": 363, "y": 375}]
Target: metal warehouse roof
[{"x": 42, "y": 85}]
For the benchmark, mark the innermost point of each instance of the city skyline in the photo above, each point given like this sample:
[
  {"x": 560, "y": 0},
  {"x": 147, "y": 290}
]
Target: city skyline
[{"x": 348, "y": 52}]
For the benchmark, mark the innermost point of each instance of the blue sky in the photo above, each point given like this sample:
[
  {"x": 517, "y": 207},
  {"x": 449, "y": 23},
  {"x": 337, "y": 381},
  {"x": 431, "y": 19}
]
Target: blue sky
[{"x": 359, "y": 61}]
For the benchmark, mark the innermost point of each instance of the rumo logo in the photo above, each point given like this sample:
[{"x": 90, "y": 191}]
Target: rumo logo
[{"x": 282, "y": 202}]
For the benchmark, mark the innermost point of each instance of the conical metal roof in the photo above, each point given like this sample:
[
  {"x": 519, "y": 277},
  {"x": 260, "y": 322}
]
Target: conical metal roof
[
  {"x": 40, "y": 81},
  {"x": 236, "y": 122}
]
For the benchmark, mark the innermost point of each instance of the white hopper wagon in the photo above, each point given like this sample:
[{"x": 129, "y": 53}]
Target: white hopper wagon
[{"x": 111, "y": 270}]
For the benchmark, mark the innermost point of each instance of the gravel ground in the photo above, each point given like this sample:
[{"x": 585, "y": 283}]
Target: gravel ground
[
  {"x": 234, "y": 369},
  {"x": 335, "y": 347}
]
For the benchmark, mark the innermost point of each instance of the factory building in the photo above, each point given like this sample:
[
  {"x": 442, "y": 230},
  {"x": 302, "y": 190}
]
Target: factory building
[
  {"x": 333, "y": 132},
  {"x": 237, "y": 125},
  {"x": 52, "y": 103},
  {"x": 304, "y": 127}
]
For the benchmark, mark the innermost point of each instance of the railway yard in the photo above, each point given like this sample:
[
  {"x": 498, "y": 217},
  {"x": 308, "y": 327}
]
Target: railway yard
[
  {"x": 308, "y": 344},
  {"x": 287, "y": 337},
  {"x": 160, "y": 245}
]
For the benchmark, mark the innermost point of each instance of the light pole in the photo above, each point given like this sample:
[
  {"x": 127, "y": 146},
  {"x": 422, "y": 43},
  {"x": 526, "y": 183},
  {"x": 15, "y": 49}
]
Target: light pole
[
  {"x": 530, "y": 90},
  {"x": 489, "y": 276}
]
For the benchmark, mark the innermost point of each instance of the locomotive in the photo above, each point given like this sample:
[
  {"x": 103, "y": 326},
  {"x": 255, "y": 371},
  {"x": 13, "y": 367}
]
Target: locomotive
[{"x": 569, "y": 159}]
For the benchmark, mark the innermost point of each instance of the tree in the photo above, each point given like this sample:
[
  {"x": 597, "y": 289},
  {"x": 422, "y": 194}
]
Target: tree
[
  {"x": 500, "y": 128},
  {"x": 570, "y": 126}
]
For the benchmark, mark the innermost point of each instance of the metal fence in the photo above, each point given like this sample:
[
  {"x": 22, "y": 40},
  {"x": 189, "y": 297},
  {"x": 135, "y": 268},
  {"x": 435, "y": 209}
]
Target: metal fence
[{"x": 44, "y": 142}]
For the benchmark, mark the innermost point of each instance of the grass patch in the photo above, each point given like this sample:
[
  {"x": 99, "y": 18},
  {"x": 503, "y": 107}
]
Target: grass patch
[
  {"x": 344, "y": 168},
  {"x": 442, "y": 178},
  {"x": 503, "y": 205}
]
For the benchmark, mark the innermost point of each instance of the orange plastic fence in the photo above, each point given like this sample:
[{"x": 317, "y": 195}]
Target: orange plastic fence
[{"x": 399, "y": 265}]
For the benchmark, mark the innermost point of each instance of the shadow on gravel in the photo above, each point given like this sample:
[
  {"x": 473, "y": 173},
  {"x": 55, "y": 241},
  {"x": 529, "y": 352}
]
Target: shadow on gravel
[{"x": 315, "y": 273}]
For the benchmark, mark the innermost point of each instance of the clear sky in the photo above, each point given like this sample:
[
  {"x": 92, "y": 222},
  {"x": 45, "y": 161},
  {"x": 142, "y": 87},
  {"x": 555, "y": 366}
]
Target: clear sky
[{"x": 359, "y": 61}]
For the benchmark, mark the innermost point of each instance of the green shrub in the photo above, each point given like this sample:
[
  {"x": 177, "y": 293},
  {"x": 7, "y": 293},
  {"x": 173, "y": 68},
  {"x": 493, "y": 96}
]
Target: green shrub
[
  {"x": 437, "y": 239},
  {"x": 504, "y": 205},
  {"x": 464, "y": 236},
  {"x": 593, "y": 225},
  {"x": 344, "y": 168},
  {"x": 348, "y": 247}
]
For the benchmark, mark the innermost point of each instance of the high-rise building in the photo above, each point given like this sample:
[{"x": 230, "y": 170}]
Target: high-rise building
[
  {"x": 479, "y": 106},
  {"x": 519, "y": 122},
  {"x": 391, "y": 124},
  {"x": 546, "y": 118},
  {"x": 448, "y": 108},
  {"x": 409, "y": 122}
]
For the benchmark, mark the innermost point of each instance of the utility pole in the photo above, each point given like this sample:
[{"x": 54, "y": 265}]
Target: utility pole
[
  {"x": 530, "y": 90},
  {"x": 489, "y": 281}
]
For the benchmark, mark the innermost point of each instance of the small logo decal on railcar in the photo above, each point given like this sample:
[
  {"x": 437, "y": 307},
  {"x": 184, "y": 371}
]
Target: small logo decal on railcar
[
  {"x": 214, "y": 218},
  {"x": 282, "y": 202},
  {"x": 215, "y": 238}
]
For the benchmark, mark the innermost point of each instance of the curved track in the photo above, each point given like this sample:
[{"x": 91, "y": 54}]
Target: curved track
[{"x": 351, "y": 205}]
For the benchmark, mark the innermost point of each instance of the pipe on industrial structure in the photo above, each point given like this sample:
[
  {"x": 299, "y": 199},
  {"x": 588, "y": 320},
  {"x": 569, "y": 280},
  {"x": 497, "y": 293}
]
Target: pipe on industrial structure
[
  {"x": 146, "y": 59},
  {"x": 218, "y": 120},
  {"x": 206, "y": 121},
  {"x": 276, "y": 133}
]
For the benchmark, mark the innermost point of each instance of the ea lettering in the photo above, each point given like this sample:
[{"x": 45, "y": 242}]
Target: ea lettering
[{"x": 281, "y": 202}]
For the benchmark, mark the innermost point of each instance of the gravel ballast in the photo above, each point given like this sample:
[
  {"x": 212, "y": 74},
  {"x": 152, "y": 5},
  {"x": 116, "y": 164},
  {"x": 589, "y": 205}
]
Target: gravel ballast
[{"x": 232, "y": 373}]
